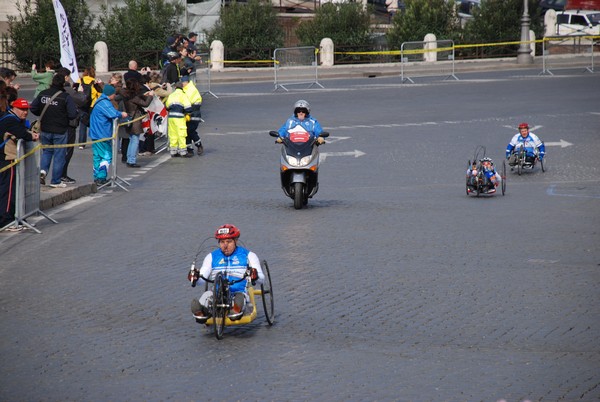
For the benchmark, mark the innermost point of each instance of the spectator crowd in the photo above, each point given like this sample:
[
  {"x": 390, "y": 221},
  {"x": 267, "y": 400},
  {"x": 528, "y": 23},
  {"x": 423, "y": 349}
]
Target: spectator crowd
[{"x": 69, "y": 115}]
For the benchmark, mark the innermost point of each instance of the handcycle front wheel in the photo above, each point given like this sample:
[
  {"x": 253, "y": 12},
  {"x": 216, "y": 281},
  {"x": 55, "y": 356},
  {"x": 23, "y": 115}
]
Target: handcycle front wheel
[
  {"x": 219, "y": 307},
  {"x": 542, "y": 165},
  {"x": 267, "y": 294}
]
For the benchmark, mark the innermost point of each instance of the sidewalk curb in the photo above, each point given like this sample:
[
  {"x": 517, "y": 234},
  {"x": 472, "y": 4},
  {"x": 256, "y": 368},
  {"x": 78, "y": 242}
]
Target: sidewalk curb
[{"x": 64, "y": 195}]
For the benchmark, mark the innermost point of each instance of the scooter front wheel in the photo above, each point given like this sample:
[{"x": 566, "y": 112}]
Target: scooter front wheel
[{"x": 298, "y": 195}]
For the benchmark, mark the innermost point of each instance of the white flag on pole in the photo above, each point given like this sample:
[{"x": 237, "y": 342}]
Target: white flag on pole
[{"x": 67, "y": 52}]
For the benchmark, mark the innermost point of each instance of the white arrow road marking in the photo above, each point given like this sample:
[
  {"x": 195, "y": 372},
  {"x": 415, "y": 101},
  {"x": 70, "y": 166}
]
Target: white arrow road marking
[
  {"x": 356, "y": 153},
  {"x": 331, "y": 139},
  {"x": 562, "y": 143}
]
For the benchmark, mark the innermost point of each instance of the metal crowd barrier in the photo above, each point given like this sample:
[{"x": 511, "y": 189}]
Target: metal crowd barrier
[
  {"x": 202, "y": 75},
  {"x": 113, "y": 179},
  {"x": 27, "y": 185},
  {"x": 567, "y": 45},
  {"x": 295, "y": 66},
  {"x": 439, "y": 53}
]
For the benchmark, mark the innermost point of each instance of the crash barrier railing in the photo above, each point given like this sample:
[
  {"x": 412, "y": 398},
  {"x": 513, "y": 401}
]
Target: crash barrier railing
[
  {"x": 27, "y": 185},
  {"x": 441, "y": 51},
  {"x": 161, "y": 142},
  {"x": 295, "y": 66},
  {"x": 202, "y": 75},
  {"x": 555, "y": 46}
]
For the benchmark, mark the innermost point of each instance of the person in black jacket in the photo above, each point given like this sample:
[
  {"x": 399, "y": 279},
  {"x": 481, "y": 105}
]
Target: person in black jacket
[
  {"x": 55, "y": 124},
  {"x": 171, "y": 72},
  {"x": 79, "y": 99}
]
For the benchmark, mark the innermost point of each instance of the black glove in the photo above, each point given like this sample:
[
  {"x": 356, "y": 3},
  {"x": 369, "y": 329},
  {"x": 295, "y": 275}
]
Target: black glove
[
  {"x": 253, "y": 274},
  {"x": 193, "y": 276}
]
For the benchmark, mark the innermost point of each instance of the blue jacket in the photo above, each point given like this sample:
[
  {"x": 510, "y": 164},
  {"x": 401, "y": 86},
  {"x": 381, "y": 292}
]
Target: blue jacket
[
  {"x": 309, "y": 124},
  {"x": 531, "y": 143},
  {"x": 235, "y": 264},
  {"x": 101, "y": 118}
]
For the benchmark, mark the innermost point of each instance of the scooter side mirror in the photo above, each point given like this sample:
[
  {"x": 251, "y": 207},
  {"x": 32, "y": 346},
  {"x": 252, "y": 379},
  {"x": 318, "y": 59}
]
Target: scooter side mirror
[
  {"x": 273, "y": 133},
  {"x": 324, "y": 134}
]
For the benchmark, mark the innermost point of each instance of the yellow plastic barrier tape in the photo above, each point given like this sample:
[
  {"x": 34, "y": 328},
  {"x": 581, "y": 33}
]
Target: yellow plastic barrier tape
[{"x": 40, "y": 146}]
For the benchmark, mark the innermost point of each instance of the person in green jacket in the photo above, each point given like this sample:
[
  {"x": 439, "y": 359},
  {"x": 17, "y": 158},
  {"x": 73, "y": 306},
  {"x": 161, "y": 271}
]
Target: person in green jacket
[{"x": 43, "y": 79}]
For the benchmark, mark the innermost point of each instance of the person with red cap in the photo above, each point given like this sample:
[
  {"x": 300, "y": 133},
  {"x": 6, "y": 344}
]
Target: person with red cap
[{"x": 13, "y": 126}]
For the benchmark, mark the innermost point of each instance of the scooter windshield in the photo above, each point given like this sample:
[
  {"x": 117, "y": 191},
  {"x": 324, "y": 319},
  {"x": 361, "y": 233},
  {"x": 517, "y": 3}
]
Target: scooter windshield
[{"x": 299, "y": 149}]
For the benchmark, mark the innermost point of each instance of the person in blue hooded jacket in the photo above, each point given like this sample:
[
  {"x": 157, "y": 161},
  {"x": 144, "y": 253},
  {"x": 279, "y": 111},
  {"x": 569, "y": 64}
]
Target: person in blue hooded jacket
[
  {"x": 101, "y": 127},
  {"x": 301, "y": 121}
]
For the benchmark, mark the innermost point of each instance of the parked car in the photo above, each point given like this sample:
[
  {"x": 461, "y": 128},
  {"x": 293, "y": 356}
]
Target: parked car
[
  {"x": 578, "y": 22},
  {"x": 556, "y": 5}
]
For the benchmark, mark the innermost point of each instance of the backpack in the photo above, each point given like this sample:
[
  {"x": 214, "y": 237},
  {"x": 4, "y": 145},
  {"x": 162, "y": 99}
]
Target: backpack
[{"x": 87, "y": 91}]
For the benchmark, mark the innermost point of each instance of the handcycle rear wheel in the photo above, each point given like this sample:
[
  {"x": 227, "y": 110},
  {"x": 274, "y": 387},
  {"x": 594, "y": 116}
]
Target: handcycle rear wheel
[
  {"x": 503, "y": 177},
  {"x": 219, "y": 307},
  {"x": 267, "y": 295}
]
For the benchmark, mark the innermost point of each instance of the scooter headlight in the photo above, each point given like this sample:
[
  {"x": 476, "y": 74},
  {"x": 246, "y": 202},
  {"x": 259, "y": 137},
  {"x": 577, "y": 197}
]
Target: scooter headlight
[{"x": 298, "y": 162}]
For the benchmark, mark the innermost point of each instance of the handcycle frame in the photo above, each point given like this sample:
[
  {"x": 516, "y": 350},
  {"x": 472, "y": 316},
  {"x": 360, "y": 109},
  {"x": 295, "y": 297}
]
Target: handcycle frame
[
  {"x": 521, "y": 159},
  {"x": 223, "y": 301},
  {"x": 481, "y": 182}
]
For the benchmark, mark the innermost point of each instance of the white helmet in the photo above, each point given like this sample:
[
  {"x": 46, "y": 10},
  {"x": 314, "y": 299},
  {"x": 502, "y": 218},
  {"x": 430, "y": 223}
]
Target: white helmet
[{"x": 302, "y": 104}]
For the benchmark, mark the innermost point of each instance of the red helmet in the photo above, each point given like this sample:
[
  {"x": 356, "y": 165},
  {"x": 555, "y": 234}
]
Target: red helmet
[
  {"x": 523, "y": 125},
  {"x": 227, "y": 232}
]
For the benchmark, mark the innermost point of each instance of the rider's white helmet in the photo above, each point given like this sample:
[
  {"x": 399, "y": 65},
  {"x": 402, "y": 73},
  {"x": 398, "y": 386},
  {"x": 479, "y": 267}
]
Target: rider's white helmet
[{"x": 301, "y": 104}]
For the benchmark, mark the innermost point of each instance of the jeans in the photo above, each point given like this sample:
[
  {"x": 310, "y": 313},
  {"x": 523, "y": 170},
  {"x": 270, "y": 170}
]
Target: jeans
[
  {"x": 56, "y": 156},
  {"x": 132, "y": 148},
  {"x": 82, "y": 129}
]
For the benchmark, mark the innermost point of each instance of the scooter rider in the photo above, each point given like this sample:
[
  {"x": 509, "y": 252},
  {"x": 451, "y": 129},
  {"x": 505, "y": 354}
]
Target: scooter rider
[
  {"x": 533, "y": 145},
  {"x": 236, "y": 260},
  {"x": 301, "y": 121}
]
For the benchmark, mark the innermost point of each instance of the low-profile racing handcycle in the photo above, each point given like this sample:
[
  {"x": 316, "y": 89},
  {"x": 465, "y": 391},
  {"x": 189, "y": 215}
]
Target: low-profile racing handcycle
[
  {"x": 477, "y": 181},
  {"x": 222, "y": 300},
  {"x": 525, "y": 156}
]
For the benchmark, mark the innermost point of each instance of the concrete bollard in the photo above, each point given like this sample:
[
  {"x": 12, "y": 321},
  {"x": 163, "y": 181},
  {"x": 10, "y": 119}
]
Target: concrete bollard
[
  {"x": 430, "y": 44},
  {"x": 217, "y": 55},
  {"x": 550, "y": 23},
  {"x": 326, "y": 49},
  {"x": 101, "y": 57}
]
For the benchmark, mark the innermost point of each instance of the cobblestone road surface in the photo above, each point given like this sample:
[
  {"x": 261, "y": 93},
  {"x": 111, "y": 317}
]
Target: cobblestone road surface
[{"x": 391, "y": 285}]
